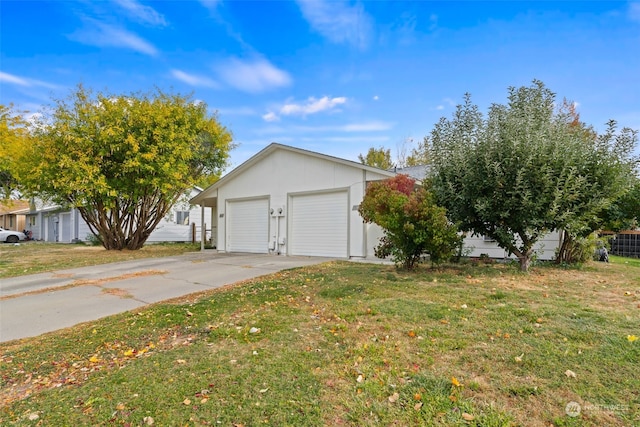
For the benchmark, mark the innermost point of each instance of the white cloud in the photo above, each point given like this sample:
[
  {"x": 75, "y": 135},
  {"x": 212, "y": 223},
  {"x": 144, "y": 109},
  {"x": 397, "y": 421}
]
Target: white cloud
[
  {"x": 338, "y": 21},
  {"x": 634, "y": 11},
  {"x": 270, "y": 117},
  {"x": 24, "y": 81},
  {"x": 253, "y": 76},
  {"x": 376, "y": 97},
  {"x": 103, "y": 35},
  {"x": 210, "y": 4},
  {"x": 447, "y": 102},
  {"x": 142, "y": 13},
  {"x": 367, "y": 127},
  {"x": 312, "y": 106},
  {"x": 10, "y": 78},
  {"x": 193, "y": 80},
  {"x": 372, "y": 126}
]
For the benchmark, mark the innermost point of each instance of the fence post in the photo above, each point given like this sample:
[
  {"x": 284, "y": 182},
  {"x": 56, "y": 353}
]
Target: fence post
[{"x": 193, "y": 232}]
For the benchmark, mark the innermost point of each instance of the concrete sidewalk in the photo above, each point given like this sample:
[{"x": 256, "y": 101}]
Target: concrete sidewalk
[{"x": 45, "y": 302}]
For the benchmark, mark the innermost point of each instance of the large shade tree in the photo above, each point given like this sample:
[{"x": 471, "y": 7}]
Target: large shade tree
[
  {"x": 523, "y": 170},
  {"x": 14, "y": 139},
  {"x": 122, "y": 160}
]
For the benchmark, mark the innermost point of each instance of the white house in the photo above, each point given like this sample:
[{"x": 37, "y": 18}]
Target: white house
[
  {"x": 52, "y": 223},
  {"x": 289, "y": 201}
]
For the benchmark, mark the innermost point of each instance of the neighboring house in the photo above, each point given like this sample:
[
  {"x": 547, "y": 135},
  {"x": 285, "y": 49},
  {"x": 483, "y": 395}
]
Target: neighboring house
[
  {"x": 13, "y": 214},
  {"x": 289, "y": 201},
  {"x": 477, "y": 246},
  {"x": 52, "y": 223}
]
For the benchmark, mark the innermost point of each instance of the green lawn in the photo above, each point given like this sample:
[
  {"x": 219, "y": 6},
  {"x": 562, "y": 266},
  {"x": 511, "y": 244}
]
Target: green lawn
[
  {"x": 635, "y": 262},
  {"x": 38, "y": 257},
  {"x": 349, "y": 344}
]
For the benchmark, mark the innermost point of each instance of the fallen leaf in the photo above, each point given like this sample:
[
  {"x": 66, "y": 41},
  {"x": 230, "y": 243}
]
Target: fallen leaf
[
  {"x": 411, "y": 334},
  {"x": 33, "y": 416},
  {"x": 519, "y": 358},
  {"x": 632, "y": 338},
  {"x": 189, "y": 313},
  {"x": 148, "y": 421},
  {"x": 417, "y": 406},
  {"x": 254, "y": 330},
  {"x": 94, "y": 359},
  {"x": 181, "y": 361},
  {"x": 394, "y": 397},
  {"x": 204, "y": 400},
  {"x": 129, "y": 352},
  {"x": 264, "y": 390},
  {"x": 120, "y": 406},
  {"x": 360, "y": 378},
  {"x": 455, "y": 382},
  {"x": 467, "y": 417},
  {"x": 569, "y": 373},
  {"x": 186, "y": 402}
]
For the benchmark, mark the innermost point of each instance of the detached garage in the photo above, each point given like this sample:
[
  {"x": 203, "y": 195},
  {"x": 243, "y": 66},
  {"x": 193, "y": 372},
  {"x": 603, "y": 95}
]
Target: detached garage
[{"x": 289, "y": 201}]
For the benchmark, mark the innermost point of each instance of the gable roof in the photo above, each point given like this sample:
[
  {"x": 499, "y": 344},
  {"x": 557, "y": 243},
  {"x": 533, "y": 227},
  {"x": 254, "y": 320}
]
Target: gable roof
[
  {"x": 419, "y": 172},
  {"x": 274, "y": 146}
]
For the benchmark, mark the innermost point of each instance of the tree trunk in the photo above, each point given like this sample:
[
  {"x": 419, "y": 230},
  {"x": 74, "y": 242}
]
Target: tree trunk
[{"x": 525, "y": 262}]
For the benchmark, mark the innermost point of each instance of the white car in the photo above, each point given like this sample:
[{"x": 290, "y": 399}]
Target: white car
[{"x": 11, "y": 236}]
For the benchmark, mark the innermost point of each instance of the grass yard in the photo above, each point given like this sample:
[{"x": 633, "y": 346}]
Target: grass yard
[
  {"x": 38, "y": 257},
  {"x": 350, "y": 344}
]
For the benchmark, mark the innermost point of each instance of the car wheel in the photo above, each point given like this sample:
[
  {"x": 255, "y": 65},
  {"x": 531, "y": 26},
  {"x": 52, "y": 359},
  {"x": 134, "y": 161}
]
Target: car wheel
[{"x": 12, "y": 239}]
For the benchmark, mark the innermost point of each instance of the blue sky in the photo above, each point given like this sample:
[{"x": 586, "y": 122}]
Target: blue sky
[{"x": 331, "y": 76}]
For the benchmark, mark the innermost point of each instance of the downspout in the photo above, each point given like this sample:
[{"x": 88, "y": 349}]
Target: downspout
[{"x": 277, "y": 245}]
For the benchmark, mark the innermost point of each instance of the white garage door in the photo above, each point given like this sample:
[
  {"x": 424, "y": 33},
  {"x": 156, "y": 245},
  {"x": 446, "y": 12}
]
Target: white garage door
[
  {"x": 248, "y": 226},
  {"x": 319, "y": 225}
]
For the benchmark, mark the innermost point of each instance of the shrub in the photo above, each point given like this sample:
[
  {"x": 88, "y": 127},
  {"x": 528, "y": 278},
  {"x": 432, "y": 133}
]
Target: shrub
[{"x": 413, "y": 224}]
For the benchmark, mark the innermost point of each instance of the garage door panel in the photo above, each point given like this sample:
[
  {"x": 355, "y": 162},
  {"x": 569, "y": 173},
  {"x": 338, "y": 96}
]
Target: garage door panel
[
  {"x": 248, "y": 226},
  {"x": 319, "y": 224}
]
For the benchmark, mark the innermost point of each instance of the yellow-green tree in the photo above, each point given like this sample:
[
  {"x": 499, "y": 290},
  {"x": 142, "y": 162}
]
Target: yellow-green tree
[
  {"x": 377, "y": 157},
  {"x": 14, "y": 139},
  {"x": 123, "y": 160}
]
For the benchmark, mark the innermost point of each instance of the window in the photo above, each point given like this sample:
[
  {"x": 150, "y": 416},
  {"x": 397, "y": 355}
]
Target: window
[
  {"x": 182, "y": 217},
  {"x": 32, "y": 221}
]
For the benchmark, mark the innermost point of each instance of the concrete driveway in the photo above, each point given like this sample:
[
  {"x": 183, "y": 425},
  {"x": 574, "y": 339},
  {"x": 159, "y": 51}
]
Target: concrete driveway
[{"x": 39, "y": 303}]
